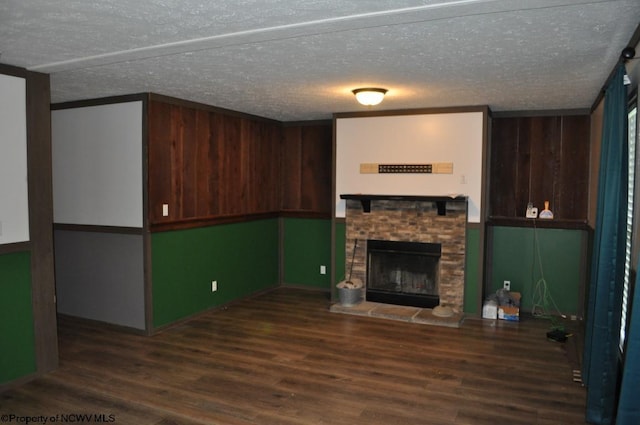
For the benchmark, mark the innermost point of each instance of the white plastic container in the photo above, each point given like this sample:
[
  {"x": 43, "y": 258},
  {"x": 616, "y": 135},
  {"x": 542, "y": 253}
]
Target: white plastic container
[{"x": 490, "y": 310}]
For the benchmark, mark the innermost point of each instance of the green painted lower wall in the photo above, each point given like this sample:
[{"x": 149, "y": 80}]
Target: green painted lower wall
[
  {"x": 515, "y": 258},
  {"x": 307, "y": 246},
  {"x": 186, "y": 261},
  {"x": 471, "y": 274},
  {"x": 243, "y": 258},
  {"x": 17, "y": 339}
]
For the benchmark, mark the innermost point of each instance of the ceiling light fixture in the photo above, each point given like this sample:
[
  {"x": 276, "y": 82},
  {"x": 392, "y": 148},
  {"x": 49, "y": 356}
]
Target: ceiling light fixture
[{"x": 369, "y": 96}]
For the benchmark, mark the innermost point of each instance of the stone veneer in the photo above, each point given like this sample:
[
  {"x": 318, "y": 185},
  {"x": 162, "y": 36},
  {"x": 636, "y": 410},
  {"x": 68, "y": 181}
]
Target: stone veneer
[{"x": 412, "y": 221}]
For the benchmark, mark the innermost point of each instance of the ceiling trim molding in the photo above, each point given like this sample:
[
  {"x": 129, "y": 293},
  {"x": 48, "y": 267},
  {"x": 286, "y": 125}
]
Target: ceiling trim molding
[
  {"x": 418, "y": 111},
  {"x": 138, "y": 97},
  {"x": 541, "y": 113},
  {"x": 14, "y": 71}
]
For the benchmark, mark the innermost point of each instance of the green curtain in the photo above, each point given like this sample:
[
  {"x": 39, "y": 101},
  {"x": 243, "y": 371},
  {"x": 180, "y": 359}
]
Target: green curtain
[
  {"x": 604, "y": 308},
  {"x": 628, "y": 406}
]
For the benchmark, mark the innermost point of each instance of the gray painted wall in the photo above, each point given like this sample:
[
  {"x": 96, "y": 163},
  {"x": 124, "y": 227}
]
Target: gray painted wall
[{"x": 100, "y": 276}]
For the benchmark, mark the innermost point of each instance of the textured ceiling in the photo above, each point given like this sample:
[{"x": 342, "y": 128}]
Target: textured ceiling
[{"x": 296, "y": 60}]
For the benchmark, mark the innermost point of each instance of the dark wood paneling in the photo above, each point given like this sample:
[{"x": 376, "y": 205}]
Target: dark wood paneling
[
  {"x": 264, "y": 170},
  {"x": 306, "y": 168},
  {"x": 188, "y": 161},
  {"x": 291, "y": 170},
  {"x": 159, "y": 159},
  {"x": 232, "y": 185},
  {"x": 537, "y": 159},
  {"x": 504, "y": 167},
  {"x": 544, "y": 146},
  {"x": 204, "y": 203},
  {"x": 207, "y": 164},
  {"x": 572, "y": 199},
  {"x": 316, "y": 160},
  {"x": 209, "y": 108},
  {"x": 41, "y": 220},
  {"x": 176, "y": 140}
]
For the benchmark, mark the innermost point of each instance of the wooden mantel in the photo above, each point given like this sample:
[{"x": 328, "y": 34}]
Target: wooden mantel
[{"x": 441, "y": 201}]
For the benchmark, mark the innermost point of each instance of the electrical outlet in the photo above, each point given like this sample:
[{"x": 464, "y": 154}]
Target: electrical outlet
[
  {"x": 165, "y": 210},
  {"x": 323, "y": 269},
  {"x": 214, "y": 285},
  {"x": 507, "y": 285}
]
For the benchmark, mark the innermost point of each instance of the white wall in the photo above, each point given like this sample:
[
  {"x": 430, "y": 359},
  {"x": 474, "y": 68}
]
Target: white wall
[
  {"x": 97, "y": 165},
  {"x": 14, "y": 195},
  {"x": 411, "y": 139}
]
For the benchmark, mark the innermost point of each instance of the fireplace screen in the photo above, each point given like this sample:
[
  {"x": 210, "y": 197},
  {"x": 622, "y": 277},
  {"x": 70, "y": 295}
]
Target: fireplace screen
[{"x": 404, "y": 273}]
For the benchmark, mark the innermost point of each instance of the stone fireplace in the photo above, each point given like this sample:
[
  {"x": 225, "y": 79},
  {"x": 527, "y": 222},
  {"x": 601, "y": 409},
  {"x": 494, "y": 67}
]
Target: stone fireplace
[{"x": 435, "y": 221}]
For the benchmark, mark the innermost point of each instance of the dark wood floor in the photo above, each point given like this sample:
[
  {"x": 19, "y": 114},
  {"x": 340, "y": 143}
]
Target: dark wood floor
[{"x": 282, "y": 358}]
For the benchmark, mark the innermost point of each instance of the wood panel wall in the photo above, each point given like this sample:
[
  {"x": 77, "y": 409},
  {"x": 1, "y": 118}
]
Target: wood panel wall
[
  {"x": 534, "y": 159},
  {"x": 209, "y": 165},
  {"x": 306, "y": 169}
]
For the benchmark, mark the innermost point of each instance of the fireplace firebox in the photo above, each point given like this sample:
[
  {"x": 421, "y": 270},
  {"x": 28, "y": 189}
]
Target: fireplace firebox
[{"x": 403, "y": 273}]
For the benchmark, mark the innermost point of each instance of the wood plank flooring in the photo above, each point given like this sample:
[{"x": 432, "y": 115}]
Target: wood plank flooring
[{"x": 283, "y": 358}]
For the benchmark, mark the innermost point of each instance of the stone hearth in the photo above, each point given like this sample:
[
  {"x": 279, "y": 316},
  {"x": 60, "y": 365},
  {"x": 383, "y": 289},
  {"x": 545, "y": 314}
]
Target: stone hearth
[
  {"x": 423, "y": 316},
  {"x": 412, "y": 221}
]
